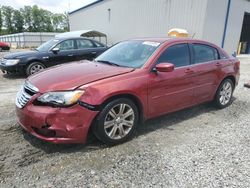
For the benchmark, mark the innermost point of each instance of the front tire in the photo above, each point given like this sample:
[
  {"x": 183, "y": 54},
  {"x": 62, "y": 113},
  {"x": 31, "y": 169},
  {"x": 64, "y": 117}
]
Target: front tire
[
  {"x": 116, "y": 122},
  {"x": 224, "y": 94},
  {"x": 34, "y": 68}
]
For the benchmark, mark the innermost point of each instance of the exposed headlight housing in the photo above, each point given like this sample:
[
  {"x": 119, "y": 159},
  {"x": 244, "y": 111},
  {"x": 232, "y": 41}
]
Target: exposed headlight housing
[
  {"x": 10, "y": 62},
  {"x": 66, "y": 98}
]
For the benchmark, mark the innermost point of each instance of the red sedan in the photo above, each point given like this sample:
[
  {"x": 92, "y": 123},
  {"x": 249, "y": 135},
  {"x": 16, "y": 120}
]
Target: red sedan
[
  {"x": 133, "y": 81},
  {"x": 4, "y": 46}
]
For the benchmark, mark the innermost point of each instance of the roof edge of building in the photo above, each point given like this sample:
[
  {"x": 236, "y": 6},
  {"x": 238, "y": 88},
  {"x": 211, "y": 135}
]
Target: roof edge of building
[{"x": 86, "y": 6}]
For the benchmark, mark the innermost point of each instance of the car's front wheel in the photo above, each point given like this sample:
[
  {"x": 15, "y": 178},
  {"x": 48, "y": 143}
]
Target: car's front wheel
[
  {"x": 116, "y": 122},
  {"x": 34, "y": 68},
  {"x": 224, "y": 94}
]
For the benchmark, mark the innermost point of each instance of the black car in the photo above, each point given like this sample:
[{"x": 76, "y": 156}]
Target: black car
[{"x": 53, "y": 52}]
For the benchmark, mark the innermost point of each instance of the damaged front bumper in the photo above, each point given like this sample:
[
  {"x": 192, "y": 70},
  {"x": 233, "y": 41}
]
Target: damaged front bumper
[{"x": 56, "y": 125}]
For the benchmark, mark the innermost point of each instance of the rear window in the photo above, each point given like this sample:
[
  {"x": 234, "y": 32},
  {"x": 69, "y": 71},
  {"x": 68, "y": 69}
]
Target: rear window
[
  {"x": 82, "y": 44},
  {"x": 222, "y": 55},
  {"x": 204, "y": 53}
]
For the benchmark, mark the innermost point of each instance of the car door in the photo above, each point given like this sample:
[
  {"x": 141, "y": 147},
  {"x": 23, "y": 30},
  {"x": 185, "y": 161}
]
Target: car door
[
  {"x": 87, "y": 49},
  {"x": 205, "y": 67},
  {"x": 171, "y": 91},
  {"x": 63, "y": 52}
]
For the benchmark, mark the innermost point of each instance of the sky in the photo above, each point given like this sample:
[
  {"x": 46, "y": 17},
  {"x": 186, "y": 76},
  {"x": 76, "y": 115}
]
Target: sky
[{"x": 55, "y": 6}]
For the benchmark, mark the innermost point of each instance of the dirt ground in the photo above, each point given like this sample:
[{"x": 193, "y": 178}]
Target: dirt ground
[{"x": 196, "y": 147}]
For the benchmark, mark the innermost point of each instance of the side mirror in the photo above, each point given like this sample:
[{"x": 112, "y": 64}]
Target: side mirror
[
  {"x": 165, "y": 67},
  {"x": 55, "y": 50}
]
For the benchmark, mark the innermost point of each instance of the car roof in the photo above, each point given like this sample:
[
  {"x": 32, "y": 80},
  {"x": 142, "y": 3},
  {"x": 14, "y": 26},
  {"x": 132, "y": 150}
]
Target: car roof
[
  {"x": 175, "y": 39},
  {"x": 170, "y": 39},
  {"x": 66, "y": 38},
  {"x": 60, "y": 39}
]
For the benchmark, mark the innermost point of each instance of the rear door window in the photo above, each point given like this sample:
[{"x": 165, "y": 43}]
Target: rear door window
[
  {"x": 82, "y": 44},
  {"x": 177, "y": 54},
  {"x": 204, "y": 53}
]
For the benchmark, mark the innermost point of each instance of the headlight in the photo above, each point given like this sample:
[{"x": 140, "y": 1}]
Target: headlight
[
  {"x": 66, "y": 98},
  {"x": 10, "y": 62}
]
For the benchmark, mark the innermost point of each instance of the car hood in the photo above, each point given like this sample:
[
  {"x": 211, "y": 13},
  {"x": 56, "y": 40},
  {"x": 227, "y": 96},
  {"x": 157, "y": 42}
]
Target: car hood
[
  {"x": 20, "y": 54},
  {"x": 73, "y": 75}
]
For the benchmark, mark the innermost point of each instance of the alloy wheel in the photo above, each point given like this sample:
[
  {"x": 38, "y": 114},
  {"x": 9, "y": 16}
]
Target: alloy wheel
[
  {"x": 225, "y": 93},
  {"x": 36, "y": 68},
  {"x": 119, "y": 121}
]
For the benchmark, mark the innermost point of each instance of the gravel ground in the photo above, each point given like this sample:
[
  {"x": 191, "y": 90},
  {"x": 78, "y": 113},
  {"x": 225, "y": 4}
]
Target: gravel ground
[{"x": 197, "y": 147}]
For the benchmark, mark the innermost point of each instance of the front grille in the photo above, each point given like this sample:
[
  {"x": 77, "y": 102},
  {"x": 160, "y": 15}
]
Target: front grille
[{"x": 25, "y": 94}]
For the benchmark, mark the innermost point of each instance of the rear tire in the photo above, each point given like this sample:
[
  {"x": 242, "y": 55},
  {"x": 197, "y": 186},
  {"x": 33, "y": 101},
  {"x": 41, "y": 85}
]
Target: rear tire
[
  {"x": 116, "y": 122},
  {"x": 224, "y": 94},
  {"x": 34, "y": 68},
  {"x": 1, "y": 49}
]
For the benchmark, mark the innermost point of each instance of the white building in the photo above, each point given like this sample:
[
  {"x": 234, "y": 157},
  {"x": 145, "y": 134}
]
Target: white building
[{"x": 217, "y": 21}]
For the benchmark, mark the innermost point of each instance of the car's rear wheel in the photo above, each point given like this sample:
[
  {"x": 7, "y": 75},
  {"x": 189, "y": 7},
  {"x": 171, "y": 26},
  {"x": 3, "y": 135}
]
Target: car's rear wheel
[
  {"x": 224, "y": 93},
  {"x": 34, "y": 68},
  {"x": 1, "y": 49},
  {"x": 116, "y": 122}
]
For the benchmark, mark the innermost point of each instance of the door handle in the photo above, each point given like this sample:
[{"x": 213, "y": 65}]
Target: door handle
[
  {"x": 189, "y": 71},
  {"x": 93, "y": 52},
  {"x": 70, "y": 55},
  {"x": 218, "y": 64}
]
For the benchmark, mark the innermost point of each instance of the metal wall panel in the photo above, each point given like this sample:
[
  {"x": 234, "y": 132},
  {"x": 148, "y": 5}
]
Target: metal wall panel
[
  {"x": 215, "y": 22},
  {"x": 205, "y": 19},
  {"x": 123, "y": 19},
  {"x": 235, "y": 22}
]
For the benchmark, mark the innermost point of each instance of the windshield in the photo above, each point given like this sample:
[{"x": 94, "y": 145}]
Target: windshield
[
  {"x": 132, "y": 54},
  {"x": 47, "y": 45}
]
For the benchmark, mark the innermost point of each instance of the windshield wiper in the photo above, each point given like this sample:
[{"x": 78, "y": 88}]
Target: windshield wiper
[{"x": 108, "y": 62}]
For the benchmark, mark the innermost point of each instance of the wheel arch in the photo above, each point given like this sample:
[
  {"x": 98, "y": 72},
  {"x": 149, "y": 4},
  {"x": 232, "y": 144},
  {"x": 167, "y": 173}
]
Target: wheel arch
[
  {"x": 34, "y": 60},
  {"x": 29, "y": 62},
  {"x": 92, "y": 128},
  {"x": 133, "y": 98},
  {"x": 231, "y": 77}
]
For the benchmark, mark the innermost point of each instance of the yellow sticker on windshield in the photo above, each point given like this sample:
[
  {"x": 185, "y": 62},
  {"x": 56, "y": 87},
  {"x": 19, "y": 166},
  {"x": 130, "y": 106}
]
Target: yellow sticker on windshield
[{"x": 155, "y": 44}]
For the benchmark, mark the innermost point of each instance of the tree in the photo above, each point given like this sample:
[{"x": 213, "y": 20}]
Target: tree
[
  {"x": 60, "y": 22},
  {"x": 57, "y": 20},
  {"x": 18, "y": 21},
  {"x": 27, "y": 15},
  {"x": 47, "y": 21},
  {"x": 36, "y": 18},
  {"x": 31, "y": 19},
  {"x": 65, "y": 22},
  {"x": 7, "y": 13}
]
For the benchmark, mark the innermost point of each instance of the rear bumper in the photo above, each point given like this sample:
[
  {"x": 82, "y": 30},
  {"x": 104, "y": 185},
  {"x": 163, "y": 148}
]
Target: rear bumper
[{"x": 56, "y": 125}]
